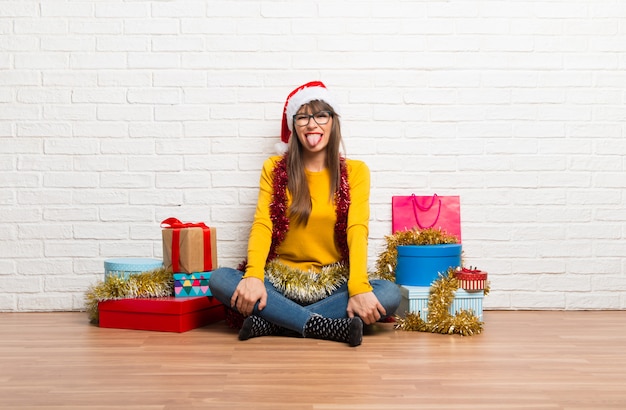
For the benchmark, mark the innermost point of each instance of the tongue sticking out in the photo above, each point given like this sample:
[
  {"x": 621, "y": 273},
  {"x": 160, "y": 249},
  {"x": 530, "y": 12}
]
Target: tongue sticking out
[{"x": 313, "y": 139}]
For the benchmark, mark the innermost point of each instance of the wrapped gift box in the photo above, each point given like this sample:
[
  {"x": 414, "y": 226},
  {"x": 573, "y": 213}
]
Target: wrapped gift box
[
  {"x": 189, "y": 247},
  {"x": 169, "y": 314},
  {"x": 192, "y": 284},
  {"x": 471, "y": 279},
  {"x": 415, "y": 299},
  {"x": 420, "y": 265},
  {"x": 124, "y": 267}
]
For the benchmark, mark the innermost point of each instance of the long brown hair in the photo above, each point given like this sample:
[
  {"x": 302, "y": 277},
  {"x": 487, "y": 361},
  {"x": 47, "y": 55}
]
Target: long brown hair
[{"x": 297, "y": 184}]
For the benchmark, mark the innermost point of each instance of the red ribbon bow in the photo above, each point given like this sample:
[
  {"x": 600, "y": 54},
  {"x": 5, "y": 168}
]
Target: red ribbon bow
[
  {"x": 471, "y": 270},
  {"x": 175, "y": 223}
]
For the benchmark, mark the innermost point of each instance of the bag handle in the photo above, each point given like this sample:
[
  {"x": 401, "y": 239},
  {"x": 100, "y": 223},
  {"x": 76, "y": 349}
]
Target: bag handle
[
  {"x": 417, "y": 206},
  {"x": 424, "y": 208}
]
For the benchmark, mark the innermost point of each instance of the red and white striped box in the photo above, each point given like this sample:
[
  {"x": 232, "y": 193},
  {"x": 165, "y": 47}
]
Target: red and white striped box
[{"x": 471, "y": 279}]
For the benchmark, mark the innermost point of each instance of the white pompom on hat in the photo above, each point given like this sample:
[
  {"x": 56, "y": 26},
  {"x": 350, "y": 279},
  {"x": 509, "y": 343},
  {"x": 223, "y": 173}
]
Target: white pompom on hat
[{"x": 314, "y": 90}]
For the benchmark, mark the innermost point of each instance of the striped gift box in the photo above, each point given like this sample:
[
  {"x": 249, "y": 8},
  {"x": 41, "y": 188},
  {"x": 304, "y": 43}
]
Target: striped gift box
[
  {"x": 414, "y": 299},
  {"x": 471, "y": 279}
]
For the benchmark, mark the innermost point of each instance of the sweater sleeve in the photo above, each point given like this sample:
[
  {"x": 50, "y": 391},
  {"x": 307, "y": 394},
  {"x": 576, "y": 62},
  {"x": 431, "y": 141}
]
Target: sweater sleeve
[
  {"x": 358, "y": 227},
  {"x": 260, "y": 238}
]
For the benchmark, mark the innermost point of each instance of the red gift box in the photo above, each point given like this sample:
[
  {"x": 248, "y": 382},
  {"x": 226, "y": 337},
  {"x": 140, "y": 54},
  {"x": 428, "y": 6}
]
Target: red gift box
[
  {"x": 471, "y": 279},
  {"x": 168, "y": 314}
]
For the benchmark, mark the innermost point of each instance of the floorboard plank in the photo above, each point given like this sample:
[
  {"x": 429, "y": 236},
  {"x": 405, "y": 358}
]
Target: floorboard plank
[{"x": 522, "y": 360}]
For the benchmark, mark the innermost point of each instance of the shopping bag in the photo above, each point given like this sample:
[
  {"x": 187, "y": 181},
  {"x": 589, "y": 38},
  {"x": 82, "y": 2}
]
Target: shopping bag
[{"x": 423, "y": 212}]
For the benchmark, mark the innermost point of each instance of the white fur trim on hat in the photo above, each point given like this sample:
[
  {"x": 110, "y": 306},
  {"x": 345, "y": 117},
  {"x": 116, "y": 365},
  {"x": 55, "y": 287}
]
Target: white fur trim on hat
[{"x": 305, "y": 96}]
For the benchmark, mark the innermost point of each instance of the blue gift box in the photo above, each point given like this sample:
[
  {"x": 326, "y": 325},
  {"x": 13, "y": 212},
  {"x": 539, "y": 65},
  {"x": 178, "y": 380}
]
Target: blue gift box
[
  {"x": 192, "y": 284},
  {"x": 421, "y": 265},
  {"x": 124, "y": 267},
  {"x": 415, "y": 299}
]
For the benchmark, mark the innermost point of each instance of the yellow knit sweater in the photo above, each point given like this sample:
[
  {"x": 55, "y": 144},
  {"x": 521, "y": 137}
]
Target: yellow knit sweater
[{"x": 312, "y": 246}]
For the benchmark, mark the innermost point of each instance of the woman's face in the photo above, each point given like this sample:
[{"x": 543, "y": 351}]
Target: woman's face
[{"x": 313, "y": 136}]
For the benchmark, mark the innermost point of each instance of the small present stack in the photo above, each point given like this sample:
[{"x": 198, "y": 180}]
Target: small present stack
[
  {"x": 190, "y": 252},
  {"x": 424, "y": 257}
]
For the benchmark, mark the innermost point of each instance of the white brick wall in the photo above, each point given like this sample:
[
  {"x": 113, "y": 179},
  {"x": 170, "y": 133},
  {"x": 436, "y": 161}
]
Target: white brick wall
[{"x": 117, "y": 114}]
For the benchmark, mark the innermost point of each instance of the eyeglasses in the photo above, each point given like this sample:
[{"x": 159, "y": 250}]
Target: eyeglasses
[{"x": 321, "y": 118}]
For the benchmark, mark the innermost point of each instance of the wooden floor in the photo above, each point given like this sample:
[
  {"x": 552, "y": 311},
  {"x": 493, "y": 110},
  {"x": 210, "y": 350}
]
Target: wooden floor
[{"x": 522, "y": 360}]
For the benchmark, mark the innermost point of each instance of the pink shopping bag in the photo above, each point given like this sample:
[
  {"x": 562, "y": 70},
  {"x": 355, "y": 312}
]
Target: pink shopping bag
[{"x": 423, "y": 212}]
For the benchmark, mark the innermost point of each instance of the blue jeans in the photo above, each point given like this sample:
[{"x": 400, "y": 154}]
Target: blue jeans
[{"x": 290, "y": 315}]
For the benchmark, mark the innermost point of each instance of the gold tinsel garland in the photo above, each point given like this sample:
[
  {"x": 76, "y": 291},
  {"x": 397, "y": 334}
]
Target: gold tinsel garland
[
  {"x": 306, "y": 286},
  {"x": 150, "y": 284},
  {"x": 439, "y": 319},
  {"x": 388, "y": 259}
]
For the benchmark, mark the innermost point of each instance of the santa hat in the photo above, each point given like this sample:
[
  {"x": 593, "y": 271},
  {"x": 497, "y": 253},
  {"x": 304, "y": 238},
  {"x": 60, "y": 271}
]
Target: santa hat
[{"x": 314, "y": 90}]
